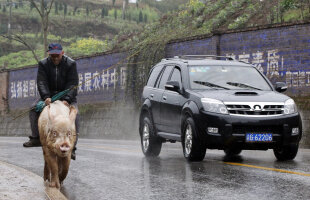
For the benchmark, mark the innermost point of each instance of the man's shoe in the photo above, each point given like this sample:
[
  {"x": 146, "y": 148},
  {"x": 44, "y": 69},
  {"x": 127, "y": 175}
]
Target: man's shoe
[
  {"x": 73, "y": 155},
  {"x": 33, "y": 142}
]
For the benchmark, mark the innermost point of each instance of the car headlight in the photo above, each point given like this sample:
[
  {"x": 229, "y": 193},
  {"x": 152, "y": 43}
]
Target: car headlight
[
  {"x": 213, "y": 105},
  {"x": 290, "y": 107}
]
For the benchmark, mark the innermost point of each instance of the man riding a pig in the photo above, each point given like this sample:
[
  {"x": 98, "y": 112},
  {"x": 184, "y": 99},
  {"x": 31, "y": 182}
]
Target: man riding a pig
[{"x": 56, "y": 73}]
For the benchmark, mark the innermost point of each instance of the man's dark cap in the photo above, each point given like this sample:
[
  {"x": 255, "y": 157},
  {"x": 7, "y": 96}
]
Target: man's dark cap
[{"x": 54, "y": 48}]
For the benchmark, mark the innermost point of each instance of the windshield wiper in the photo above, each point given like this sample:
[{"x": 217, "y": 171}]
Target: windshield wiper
[
  {"x": 242, "y": 85},
  {"x": 210, "y": 84}
]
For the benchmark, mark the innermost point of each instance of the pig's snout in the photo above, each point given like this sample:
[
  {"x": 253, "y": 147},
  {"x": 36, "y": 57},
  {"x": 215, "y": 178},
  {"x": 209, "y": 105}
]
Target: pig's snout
[{"x": 64, "y": 147}]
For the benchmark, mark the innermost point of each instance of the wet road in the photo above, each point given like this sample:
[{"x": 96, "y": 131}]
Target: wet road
[{"x": 107, "y": 169}]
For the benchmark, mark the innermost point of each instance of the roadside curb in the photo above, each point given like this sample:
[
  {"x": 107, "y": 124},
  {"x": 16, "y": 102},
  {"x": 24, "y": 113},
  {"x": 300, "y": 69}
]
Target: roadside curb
[{"x": 19, "y": 183}]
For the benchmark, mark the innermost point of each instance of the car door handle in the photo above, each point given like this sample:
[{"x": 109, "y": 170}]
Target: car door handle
[
  {"x": 151, "y": 95},
  {"x": 164, "y": 97}
]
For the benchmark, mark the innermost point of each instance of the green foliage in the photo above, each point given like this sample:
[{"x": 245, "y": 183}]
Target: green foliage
[
  {"x": 3, "y": 28},
  {"x": 87, "y": 47},
  {"x": 196, "y": 6},
  {"x": 239, "y": 22},
  {"x": 288, "y": 4},
  {"x": 19, "y": 59}
]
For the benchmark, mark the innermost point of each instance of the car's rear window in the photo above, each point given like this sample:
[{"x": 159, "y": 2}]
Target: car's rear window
[
  {"x": 226, "y": 77},
  {"x": 153, "y": 76}
]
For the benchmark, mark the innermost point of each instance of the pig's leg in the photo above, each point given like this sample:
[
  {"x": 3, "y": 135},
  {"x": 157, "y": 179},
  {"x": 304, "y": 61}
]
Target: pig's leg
[
  {"x": 46, "y": 172},
  {"x": 53, "y": 166},
  {"x": 65, "y": 163}
]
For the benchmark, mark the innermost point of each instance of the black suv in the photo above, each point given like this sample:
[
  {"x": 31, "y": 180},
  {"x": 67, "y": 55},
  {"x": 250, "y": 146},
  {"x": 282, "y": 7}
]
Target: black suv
[{"x": 207, "y": 102}]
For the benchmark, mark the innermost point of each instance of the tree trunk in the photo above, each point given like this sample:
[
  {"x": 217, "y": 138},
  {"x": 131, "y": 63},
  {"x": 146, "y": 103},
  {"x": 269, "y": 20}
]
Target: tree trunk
[
  {"x": 45, "y": 34},
  {"x": 10, "y": 18},
  {"x": 124, "y": 7}
]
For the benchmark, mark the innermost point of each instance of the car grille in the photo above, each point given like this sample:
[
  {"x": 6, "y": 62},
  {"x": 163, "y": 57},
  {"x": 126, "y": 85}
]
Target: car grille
[
  {"x": 255, "y": 110},
  {"x": 256, "y": 129}
]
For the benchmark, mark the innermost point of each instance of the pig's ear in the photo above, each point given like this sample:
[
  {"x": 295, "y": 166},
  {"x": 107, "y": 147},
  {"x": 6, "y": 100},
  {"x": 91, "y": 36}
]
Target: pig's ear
[
  {"x": 50, "y": 116},
  {"x": 72, "y": 114}
]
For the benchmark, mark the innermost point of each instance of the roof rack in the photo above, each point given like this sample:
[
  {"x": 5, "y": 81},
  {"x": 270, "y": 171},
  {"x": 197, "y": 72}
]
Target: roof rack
[{"x": 202, "y": 57}]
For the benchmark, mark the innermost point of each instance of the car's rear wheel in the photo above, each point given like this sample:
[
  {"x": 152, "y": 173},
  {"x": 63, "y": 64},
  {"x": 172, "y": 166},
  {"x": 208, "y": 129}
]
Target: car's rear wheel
[
  {"x": 287, "y": 152},
  {"x": 151, "y": 144},
  {"x": 193, "y": 150},
  {"x": 232, "y": 151}
]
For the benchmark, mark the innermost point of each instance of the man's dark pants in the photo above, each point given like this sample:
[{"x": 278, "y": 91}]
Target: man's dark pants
[{"x": 34, "y": 116}]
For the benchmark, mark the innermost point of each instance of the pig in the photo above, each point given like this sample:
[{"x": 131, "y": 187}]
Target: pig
[{"x": 57, "y": 135}]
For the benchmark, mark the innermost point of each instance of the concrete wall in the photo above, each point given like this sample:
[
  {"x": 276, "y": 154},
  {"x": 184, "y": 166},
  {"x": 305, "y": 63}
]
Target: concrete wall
[{"x": 108, "y": 121}]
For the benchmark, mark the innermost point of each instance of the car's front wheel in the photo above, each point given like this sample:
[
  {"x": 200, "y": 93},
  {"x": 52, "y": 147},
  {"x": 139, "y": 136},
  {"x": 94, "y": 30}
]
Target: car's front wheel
[
  {"x": 287, "y": 152},
  {"x": 151, "y": 144},
  {"x": 193, "y": 150}
]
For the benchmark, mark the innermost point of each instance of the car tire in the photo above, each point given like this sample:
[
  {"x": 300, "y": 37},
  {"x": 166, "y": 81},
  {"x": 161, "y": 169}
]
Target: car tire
[
  {"x": 287, "y": 152},
  {"x": 193, "y": 150},
  {"x": 150, "y": 144},
  {"x": 232, "y": 151}
]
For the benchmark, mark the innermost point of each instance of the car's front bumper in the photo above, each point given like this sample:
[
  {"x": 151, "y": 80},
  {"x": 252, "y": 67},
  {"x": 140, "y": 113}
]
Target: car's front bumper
[{"x": 233, "y": 130}]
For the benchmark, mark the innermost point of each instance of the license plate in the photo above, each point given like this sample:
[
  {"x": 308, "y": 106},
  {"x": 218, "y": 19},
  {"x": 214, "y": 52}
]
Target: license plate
[{"x": 258, "y": 137}]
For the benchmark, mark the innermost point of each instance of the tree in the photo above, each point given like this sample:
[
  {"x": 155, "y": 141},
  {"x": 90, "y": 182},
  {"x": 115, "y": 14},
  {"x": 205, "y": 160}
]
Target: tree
[
  {"x": 19, "y": 38},
  {"x": 140, "y": 17},
  {"x": 44, "y": 11},
  {"x": 20, "y": 2},
  {"x": 31, "y": 5},
  {"x": 75, "y": 9},
  {"x": 65, "y": 9},
  {"x": 125, "y": 5},
  {"x": 60, "y": 7},
  {"x": 87, "y": 10},
  {"x": 4, "y": 9},
  {"x": 113, "y": 2},
  {"x": 145, "y": 18},
  {"x": 56, "y": 7},
  {"x": 115, "y": 13},
  {"x": 103, "y": 12}
]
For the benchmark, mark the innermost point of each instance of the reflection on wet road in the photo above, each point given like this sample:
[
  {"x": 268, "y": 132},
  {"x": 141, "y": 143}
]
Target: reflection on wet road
[{"x": 107, "y": 169}]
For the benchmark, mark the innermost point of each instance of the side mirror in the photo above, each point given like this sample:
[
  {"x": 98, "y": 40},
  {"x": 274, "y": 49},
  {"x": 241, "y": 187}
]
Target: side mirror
[
  {"x": 173, "y": 86},
  {"x": 280, "y": 87}
]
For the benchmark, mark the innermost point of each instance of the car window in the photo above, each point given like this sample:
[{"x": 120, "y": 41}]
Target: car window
[
  {"x": 176, "y": 76},
  {"x": 153, "y": 76},
  {"x": 164, "y": 77}
]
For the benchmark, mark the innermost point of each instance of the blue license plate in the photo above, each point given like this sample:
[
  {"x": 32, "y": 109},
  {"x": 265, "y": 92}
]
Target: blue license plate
[{"x": 258, "y": 137}]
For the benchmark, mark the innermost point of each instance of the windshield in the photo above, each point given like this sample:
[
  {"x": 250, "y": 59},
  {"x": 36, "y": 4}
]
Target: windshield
[{"x": 226, "y": 77}]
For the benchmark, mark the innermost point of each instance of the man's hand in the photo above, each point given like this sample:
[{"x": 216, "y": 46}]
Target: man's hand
[
  {"x": 48, "y": 101},
  {"x": 66, "y": 103}
]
